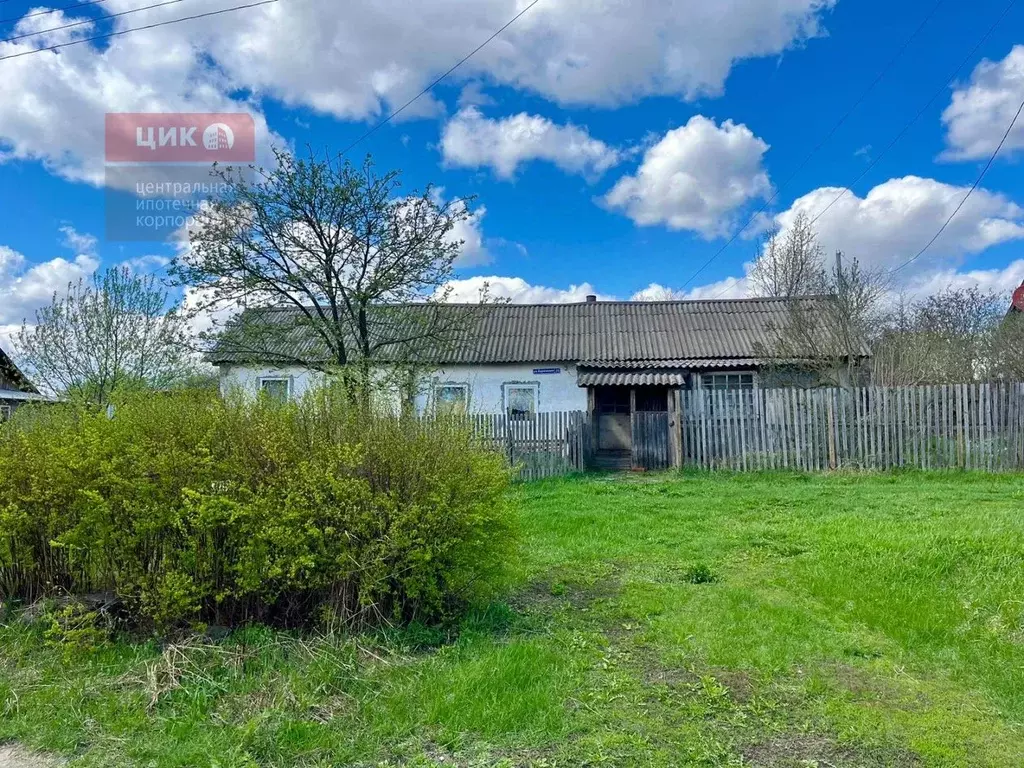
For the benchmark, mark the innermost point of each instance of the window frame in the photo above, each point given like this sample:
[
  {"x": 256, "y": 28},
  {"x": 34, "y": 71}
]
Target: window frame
[
  {"x": 532, "y": 386},
  {"x": 6, "y": 412},
  {"x": 439, "y": 385},
  {"x": 289, "y": 387},
  {"x": 748, "y": 401},
  {"x": 726, "y": 374}
]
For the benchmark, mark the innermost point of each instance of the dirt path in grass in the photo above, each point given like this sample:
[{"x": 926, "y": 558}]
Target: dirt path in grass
[{"x": 13, "y": 756}]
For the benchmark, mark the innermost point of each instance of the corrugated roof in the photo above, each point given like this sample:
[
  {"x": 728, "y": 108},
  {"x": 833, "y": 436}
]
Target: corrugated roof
[
  {"x": 10, "y": 373},
  {"x": 631, "y": 378},
  {"x": 15, "y": 395},
  {"x": 614, "y": 333}
]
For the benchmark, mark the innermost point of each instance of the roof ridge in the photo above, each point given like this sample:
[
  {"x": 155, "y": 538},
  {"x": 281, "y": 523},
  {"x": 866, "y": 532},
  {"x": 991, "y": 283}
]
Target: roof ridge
[{"x": 617, "y": 302}]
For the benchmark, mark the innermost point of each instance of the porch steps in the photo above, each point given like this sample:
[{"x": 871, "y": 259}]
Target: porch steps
[{"x": 618, "y": 460}]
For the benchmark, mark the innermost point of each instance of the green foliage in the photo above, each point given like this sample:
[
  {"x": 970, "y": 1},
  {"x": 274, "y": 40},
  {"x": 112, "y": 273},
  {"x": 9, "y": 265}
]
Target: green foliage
[
  {"x": 76, "y": 630},
  {"x": 194, "y": 509},
  {"x": 700, "y": 574},
  {"x": 856, "y": 620}
]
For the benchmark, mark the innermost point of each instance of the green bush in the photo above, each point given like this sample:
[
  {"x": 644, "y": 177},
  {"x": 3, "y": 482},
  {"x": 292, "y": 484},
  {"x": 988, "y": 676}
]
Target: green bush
[{"x": 195, "y": 509}]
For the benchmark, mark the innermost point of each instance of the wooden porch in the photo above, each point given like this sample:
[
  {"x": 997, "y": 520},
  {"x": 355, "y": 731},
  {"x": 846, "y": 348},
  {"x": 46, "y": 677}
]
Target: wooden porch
[{"x": 635, "y": 427}]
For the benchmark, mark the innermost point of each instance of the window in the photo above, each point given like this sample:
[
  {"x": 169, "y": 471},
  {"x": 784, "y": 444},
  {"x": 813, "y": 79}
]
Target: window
[
  {"x": 451, "y": 397},
  {"x": 5, "y": 412},
  {"x": 733, "y": 406},
  {"x": 521, "y": 401},
  {"x": 727, "y": 381},
  {"x": 277, "y": 389},
  {"x": 613, "y": 400}
]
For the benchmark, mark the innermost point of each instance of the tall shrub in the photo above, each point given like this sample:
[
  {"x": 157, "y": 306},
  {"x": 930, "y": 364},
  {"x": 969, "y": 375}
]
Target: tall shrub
[{"x": 191, "y": 509}]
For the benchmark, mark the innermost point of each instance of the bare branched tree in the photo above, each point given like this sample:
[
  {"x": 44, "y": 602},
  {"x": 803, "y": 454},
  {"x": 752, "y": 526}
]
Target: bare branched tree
[
  {"x": 1007, "y": 347},
  {"x": 790, "y": 265},
  {"x": 106, "y": 334},
  {"x": 338, "y": 246},
  {"x": 826, "y": 340},
  {"x": 955, "y": 336}
]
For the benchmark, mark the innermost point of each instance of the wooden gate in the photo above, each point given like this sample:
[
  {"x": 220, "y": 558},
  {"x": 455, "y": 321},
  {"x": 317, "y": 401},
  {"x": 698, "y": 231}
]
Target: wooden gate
[{"x": 650, "y": 440}]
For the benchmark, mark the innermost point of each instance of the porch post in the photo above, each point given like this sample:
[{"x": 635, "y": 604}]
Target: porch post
[
  {"x": 591, "y": 450},
  {"x": 632, "y": 429},
  {"x": 675, "y": 427}
]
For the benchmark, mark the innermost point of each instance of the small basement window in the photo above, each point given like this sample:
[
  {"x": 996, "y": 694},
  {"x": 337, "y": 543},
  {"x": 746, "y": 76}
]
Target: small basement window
[
  {"x": 521, "y": 401},
  {"x": 451, "y": 397},
  {"x": 276, "y": 388}
]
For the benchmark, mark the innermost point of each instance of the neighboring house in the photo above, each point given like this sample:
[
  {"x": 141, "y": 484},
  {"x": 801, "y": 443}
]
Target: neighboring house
[
  {"x": 1017, "y": 305},
  {"x": 15, "y": 388},
  {"x": 606, "y": 358}
]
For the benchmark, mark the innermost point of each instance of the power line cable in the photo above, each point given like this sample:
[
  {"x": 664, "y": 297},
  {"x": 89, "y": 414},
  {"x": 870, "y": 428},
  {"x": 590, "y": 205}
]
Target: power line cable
[
  {"x": 426, "y": 90},
  {"x": 820, "y": 144},
  {"x": 913, "y": 121},
  {"x": 89, "y": 21},
  {"x": 970, "y": 191},
  {"x": 51, "y": 10},
  {"x": 924, "y": 108},
  {"x": 137, "y": 29}
]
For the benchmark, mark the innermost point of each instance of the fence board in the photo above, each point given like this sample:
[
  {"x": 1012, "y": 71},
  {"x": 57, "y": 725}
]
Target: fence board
[{"x": 961, "y": 426}]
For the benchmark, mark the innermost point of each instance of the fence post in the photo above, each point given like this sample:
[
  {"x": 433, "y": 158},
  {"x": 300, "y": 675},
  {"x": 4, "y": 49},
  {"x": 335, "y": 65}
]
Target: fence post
[{"x": 832, "y": 435}]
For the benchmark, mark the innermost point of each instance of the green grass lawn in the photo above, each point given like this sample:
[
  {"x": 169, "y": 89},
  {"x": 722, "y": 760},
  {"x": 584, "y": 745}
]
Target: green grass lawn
[{"x": 656, "y": 621}]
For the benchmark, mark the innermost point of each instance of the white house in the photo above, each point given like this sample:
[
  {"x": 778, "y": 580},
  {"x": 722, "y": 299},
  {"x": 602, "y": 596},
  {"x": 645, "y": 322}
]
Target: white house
[
  {"x": 609, "y": 359},
  {"x": 15, "y": 388}
]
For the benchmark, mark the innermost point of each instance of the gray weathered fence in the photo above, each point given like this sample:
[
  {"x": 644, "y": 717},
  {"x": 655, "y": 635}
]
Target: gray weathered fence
[
  {"x": 543, "y": 445},
  {"x": 651, "y": 439},
  {"x": 962, "y": 426}
]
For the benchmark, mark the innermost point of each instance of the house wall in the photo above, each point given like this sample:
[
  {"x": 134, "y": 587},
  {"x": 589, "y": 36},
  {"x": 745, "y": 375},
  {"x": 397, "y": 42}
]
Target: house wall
[
  {"x": 555, "y": 391},
  {"x": 247, "y": 379}
]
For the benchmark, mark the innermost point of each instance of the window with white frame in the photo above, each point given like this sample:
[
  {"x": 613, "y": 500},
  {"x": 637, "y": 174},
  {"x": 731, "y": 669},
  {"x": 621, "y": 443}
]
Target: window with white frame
[
  {"x": 521, "y": 401},
  {"x": 5, "y": 412},
  {"x": 277, "y": 388},
  {"x": 727, "y": 381},
  {"x": 737, "y": 397},
  {"x": 450, "y": 396}
]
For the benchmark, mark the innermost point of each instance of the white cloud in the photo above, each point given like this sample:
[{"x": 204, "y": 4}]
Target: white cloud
[
  {"x": 695, "y": 178},
  {"x": 54, "y": 103},
  {"x": 471, "y": 140},
  {"x": 896, "y": 219},
  {"x": 729, "y": 288},
  {"x": 356, "y": 59},
  {"x": 78, "y": 242},
  {"x": 999, "y": 281},
  {"x": 25, "y": 287},
  {"x": 470, "y": 232},
  {"x": 517, "y": 291},
  {"x": 982, "y": 110},
  {"x": 360, "y": 59},
  {"x": 468, "y": 229}
]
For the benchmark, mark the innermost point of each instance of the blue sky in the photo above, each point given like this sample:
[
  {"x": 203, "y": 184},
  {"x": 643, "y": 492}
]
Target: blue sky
[{"x": 610, "y": 147}]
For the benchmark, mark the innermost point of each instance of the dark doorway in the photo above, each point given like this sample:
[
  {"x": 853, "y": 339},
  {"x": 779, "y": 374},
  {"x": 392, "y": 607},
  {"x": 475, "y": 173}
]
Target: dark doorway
[{"x": 613, "y": 406}]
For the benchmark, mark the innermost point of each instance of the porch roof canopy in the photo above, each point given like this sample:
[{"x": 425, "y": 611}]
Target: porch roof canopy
[{"x": 631, "y": 378}]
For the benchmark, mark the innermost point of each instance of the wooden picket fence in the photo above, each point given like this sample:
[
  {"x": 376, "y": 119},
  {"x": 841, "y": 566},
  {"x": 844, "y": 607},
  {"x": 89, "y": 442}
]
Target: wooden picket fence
[
  {"x": 953, "y": 426},
  {"x": 544, "y": 445}
]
